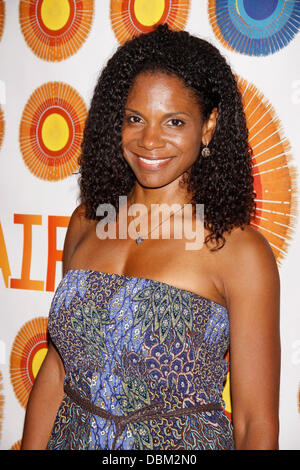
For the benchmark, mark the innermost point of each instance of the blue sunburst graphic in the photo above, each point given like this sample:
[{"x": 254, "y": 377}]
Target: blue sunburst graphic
[{"x": 255, "y": 27}]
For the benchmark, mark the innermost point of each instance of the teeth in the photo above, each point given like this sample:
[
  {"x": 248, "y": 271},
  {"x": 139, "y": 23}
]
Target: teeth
[{"x": 153, "y": 162}]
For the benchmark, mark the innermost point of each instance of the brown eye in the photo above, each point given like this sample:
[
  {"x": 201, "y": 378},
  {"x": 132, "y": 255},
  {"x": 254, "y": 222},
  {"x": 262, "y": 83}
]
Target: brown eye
[
  {"x": 133, "y": 119},
  {"x": 177, "y": 122}
]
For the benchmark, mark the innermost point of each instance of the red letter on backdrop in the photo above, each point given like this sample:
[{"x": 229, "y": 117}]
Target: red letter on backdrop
[
  {"x": 25, "y": 282},
  {"x": 54, "y": 254}
]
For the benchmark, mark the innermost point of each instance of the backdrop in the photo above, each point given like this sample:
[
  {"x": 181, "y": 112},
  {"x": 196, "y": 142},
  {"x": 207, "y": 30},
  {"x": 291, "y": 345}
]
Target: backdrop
[{"x": 51, "y": 53}]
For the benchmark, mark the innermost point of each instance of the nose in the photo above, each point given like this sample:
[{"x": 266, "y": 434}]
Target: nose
[{"x": 151, "y": 138}]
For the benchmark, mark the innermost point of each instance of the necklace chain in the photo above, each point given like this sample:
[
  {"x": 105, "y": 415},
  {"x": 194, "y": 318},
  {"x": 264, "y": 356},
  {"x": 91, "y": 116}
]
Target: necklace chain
[{"x": 139, "y": 240}]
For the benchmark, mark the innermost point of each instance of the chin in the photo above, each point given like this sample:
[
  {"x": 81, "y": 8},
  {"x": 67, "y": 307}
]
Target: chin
[
  {"x": 156, "y": 181},
  {"x": 153, "y": 183}
]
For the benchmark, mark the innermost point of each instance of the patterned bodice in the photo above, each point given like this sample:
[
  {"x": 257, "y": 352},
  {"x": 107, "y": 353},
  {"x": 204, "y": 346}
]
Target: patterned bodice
[{"x": 127, "y": 342}]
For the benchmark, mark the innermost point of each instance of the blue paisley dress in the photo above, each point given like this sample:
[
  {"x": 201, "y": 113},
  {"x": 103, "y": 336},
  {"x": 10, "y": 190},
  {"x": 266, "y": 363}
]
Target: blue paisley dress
[{"x": 127, "y": 342}]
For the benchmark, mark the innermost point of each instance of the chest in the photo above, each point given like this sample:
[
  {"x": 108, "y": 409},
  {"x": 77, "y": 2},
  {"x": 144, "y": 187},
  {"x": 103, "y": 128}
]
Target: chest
[{"x": 165, "y": 260}]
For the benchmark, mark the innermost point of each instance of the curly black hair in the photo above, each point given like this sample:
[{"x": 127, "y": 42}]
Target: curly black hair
[{"x": 223, "y": 182}]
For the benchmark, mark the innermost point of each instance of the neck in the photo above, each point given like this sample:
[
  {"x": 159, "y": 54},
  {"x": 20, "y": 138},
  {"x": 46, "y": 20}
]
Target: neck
[{"x": 165, "y": 195}]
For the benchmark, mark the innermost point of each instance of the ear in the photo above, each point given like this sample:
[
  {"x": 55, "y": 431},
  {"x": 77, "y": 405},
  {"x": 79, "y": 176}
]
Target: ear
[{"x": 209, "y": 127}]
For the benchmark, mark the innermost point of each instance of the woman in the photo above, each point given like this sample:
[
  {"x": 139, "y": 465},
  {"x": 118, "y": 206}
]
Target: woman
[{"x": 141, "y": 325}]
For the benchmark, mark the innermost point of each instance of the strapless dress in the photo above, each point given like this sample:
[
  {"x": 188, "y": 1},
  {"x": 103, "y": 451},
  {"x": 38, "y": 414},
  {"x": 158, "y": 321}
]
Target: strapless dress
[{"x": 145, "y": 365}]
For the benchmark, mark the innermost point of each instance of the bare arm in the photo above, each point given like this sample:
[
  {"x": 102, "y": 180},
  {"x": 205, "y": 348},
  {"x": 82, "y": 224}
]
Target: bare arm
[
  {"x": 44, "y": 400},
  {"x": 253, "y": 292},
  {"x": 47, "y": 391}
]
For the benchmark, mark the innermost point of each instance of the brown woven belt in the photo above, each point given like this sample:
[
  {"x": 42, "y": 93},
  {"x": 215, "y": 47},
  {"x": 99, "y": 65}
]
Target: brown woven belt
[{"x": 147, "y": 413}]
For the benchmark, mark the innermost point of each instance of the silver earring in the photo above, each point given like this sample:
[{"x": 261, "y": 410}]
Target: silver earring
[{"x": 205, "y": 151}]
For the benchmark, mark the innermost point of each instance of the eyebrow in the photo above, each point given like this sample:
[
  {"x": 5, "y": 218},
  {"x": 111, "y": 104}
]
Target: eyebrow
[{"x": 167, "y": 115}]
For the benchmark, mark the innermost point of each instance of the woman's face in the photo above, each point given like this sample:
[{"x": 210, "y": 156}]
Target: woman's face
[{"x": 163, "y": 129}]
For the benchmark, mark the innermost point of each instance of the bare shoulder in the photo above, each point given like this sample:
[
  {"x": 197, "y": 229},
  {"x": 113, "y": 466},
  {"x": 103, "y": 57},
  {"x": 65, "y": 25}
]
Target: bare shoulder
[
  {"x": 248, "y": 244},
  {"x": 78, "y": 222},
  {"x": 248, "y": 263},
  {"x": 78, "y": 226}
]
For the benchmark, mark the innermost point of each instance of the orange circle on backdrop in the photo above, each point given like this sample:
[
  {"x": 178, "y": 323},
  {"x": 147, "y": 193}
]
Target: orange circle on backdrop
[
  {"x": 51, "y": 131},
  {"x": 28, "y": 352},
  {"x": 274, "y": 176},
  {"x": 2, "y": 17},
  {"x": 55, "y": 29},
  {"x": 131, "y": 18}
]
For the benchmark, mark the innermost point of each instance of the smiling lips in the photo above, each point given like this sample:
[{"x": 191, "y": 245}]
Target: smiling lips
[{"x": 152, "y": 162}]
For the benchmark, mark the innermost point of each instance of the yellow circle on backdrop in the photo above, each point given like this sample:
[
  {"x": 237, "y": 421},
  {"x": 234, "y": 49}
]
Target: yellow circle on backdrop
[
  {"x": 226, "y": 394},
  {"x": 55, "y": 132},
  {"x": 55, "y": 13},
  {"x": 37, "y": 360},
  {"x": 149, "y": 13},
  {"x": 55, "y": 29},
  {"x": 130, "y": 18},
  {"x": 28, "y": 352}
]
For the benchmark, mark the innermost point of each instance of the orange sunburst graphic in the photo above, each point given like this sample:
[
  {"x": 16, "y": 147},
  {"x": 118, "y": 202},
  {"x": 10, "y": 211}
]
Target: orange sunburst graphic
[
  {"x": 274, "y": 176},
  {"x": 16, "y": 445},
  {"x": 131, "y": 18},
  {"x": 28, "y": 352},
  {"x": 1, "y": 126},
  {"x": 51, "y": 131},
  {"x": 55, "y": 29},
  {"x": 2, "y": 16}
]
